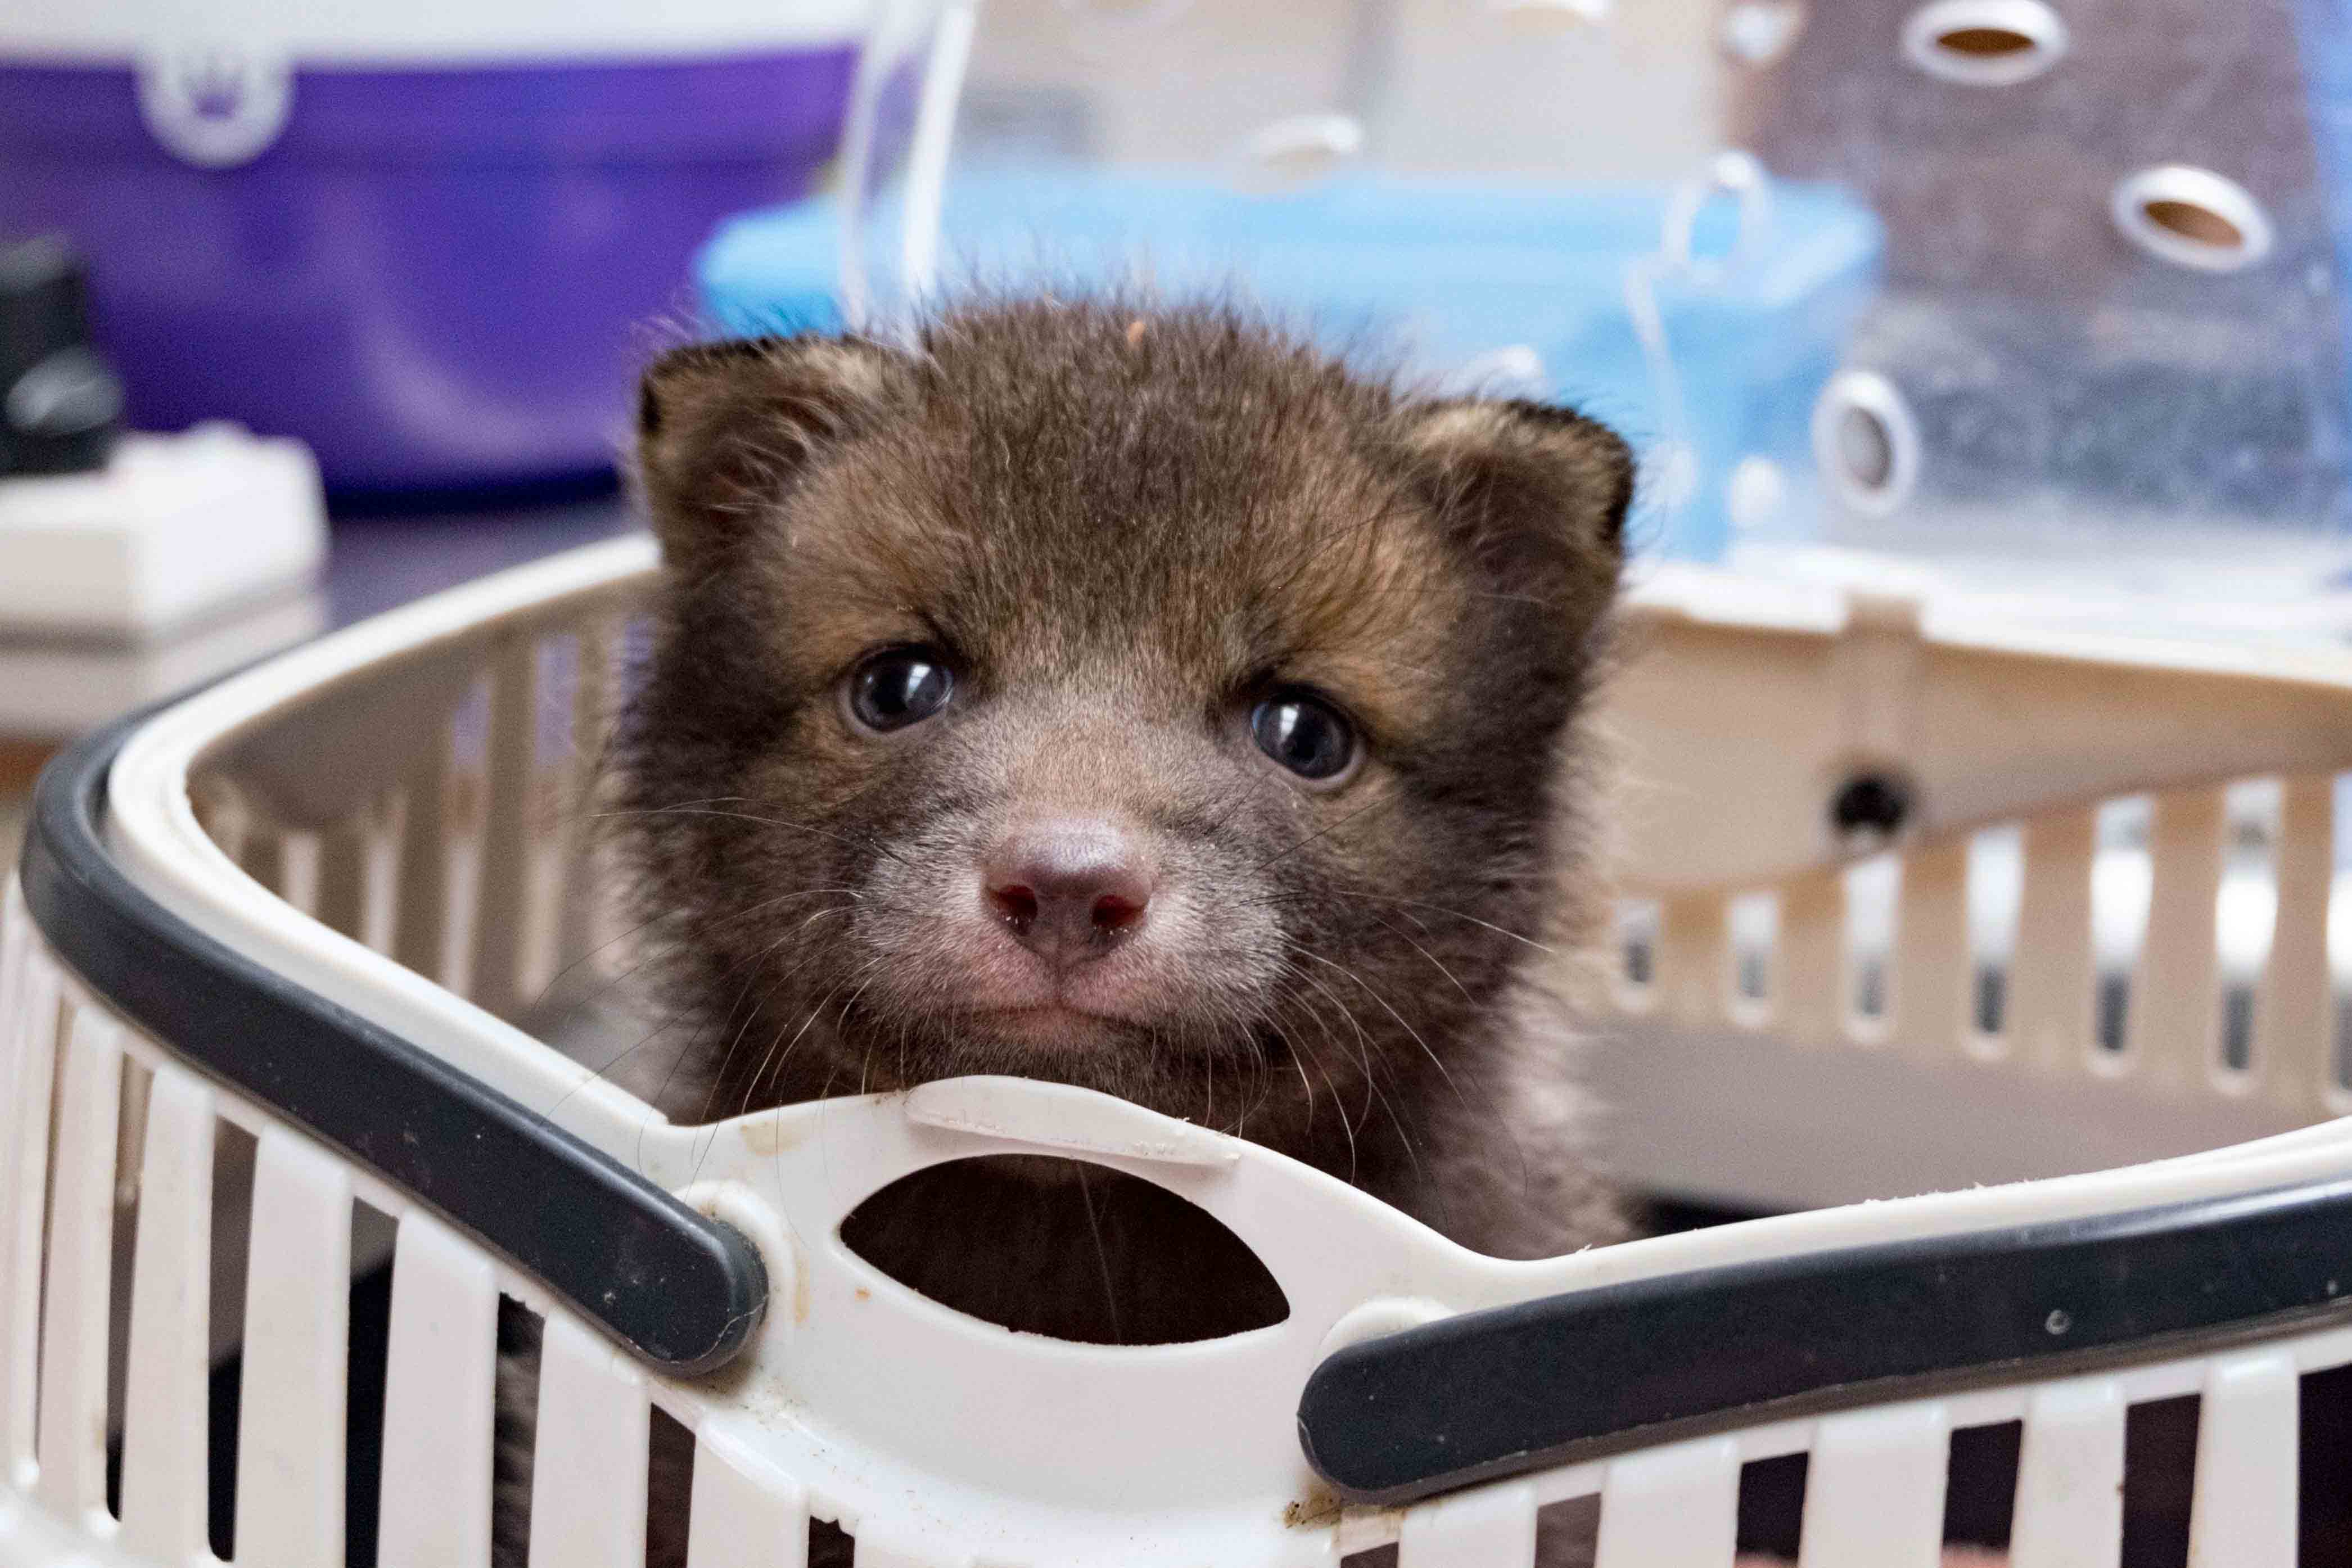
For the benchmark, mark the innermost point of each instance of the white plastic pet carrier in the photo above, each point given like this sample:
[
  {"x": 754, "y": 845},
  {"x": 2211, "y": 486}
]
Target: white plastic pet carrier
[{"x": 266, "y": 949}]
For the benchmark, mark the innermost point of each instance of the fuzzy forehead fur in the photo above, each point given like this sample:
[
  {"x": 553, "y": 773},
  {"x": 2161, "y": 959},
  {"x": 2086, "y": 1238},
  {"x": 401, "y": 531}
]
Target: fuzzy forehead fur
[
  {"x": 1121, "y": 524},
  {"x": 1127, "y": 499}
]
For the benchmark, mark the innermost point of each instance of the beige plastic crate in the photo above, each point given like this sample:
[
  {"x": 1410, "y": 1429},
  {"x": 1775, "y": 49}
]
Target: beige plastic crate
[{"x": 388, "y": 822}]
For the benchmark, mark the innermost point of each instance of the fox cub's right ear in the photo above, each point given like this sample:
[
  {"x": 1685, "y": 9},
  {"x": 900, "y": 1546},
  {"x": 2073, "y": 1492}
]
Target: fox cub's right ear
[{"x": 723, "y": 428}]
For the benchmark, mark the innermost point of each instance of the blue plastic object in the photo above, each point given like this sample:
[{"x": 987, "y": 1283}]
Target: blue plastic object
[{"x": 1521, "y": 289}]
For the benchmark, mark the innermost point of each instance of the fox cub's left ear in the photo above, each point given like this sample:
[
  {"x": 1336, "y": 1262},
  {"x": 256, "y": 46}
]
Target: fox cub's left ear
[{"x": 1538, "y": 493}]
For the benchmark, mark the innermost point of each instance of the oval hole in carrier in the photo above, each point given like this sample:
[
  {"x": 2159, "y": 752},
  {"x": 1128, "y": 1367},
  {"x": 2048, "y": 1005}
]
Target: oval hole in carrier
[
  {"x": 1984, "y": 43},
  {"x": 1865, "y": 441},
  {"x": 1133, "y": 1263},
  {"x": 2192, "y": 218}
]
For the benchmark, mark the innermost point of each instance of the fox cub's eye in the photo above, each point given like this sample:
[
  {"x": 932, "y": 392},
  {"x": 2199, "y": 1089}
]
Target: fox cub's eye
[
  {"x": 1304, "y": 734},
  {"x": 899, "y": 686}
]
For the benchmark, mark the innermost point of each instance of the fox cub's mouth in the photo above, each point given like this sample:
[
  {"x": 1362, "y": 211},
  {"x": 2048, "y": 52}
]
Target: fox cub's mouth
[{"x": 1054, "y": 1026}]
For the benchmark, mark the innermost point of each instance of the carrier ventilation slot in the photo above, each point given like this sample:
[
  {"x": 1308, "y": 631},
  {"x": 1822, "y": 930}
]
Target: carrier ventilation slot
[
  {"x": 1753, "y": 922},
  {"x": 1637, "y": 943},
  {"x": 2159, "y": 1481},
  {"x": 2324, "y": 1417},
  {"x": 1873, "y": 888},
  {"x": 235, "y": 1157},
  {"x": 2192, "y": 218},
  {"x": 370, "y": 1335},
  {"x": 521, "y": 1337},
  {"x": 1772, "y": 1505},
  {"x": 1984, "y": 43},
  {"x": 1981, "y": 1487},
  {"x": 1569, "y": 1531},
  {"x": 1865, "y": 441},
  {"x": 2123, "y": 879},
  {"x": 669, "y": 1464},
  {"x": 130, "y": 1139},
  {"x": 2245, "y": 915},
  {"x": 1996, "y": 887}
]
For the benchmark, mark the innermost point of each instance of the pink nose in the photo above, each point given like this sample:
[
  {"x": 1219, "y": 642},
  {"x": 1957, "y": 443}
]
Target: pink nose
[{"x": 1069, "y": 890}]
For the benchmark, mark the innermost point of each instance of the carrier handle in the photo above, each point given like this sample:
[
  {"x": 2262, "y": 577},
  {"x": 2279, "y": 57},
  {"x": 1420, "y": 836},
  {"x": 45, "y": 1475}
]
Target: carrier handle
[
  {"x": 1515, "y": 1389},
  {"x": 685, "y": 1293}
]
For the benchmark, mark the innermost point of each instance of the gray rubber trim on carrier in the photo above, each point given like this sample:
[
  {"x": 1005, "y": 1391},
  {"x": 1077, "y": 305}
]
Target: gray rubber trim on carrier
[
  {"x": 1515, "y": 1389},
  {"x": 681, "y": 1290}
]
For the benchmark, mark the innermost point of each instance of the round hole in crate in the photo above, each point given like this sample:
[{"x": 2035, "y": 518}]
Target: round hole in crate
[
  {"x": 1984, "y": 43},
  {"x": 1139, "y": 1265},
  {"x": 2191, "y": 217},
  {"x": 1865, "y": 441},
  {"x": 2192, "y": 222},
  {"x": 1865, "y": 449},
  {"x": 1875, "y": 803}
]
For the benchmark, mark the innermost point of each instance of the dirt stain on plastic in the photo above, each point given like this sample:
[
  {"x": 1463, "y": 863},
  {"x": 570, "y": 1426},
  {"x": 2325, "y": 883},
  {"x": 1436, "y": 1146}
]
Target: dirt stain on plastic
[
  {"x": 1319, "y": 1506},
  {"x": 770, "y": 1135}
]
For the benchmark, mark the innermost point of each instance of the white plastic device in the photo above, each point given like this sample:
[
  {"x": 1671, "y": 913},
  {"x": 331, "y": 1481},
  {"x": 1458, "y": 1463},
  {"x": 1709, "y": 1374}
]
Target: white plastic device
[
  {"x": 174, "y": 528},
  {"x": 187, "y": 555}
]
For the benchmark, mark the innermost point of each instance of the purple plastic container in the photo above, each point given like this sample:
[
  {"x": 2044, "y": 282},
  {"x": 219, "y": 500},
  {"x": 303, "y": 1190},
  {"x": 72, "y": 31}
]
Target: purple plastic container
[{"x": 439, "y": 277}]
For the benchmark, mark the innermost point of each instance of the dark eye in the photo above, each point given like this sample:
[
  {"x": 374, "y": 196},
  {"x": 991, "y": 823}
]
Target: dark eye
[
  {"x": 899, "y": 686},
  {"x": 1304, "y": 734}
]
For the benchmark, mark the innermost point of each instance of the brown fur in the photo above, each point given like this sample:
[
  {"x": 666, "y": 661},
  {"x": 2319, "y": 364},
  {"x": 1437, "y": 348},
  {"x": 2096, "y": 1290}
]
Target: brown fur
[{"x": 1126, "y": 525}]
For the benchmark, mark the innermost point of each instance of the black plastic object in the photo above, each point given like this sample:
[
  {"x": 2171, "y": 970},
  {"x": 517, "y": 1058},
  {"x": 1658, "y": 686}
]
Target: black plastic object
[
  {"x": 1495, "y": 1393},
  {"x": 682, "y": 1290},
  {"x": 1873, "y": 803},
  {"x": 59, "y": 401}
]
